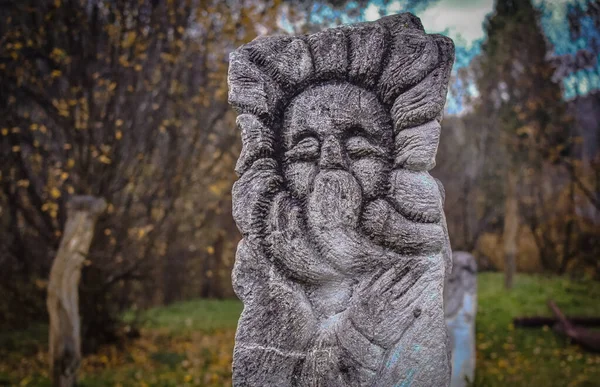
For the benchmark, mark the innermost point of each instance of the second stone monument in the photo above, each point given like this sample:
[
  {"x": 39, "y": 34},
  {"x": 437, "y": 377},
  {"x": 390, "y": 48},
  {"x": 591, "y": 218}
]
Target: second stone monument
[{"x": 344, "y": 252}]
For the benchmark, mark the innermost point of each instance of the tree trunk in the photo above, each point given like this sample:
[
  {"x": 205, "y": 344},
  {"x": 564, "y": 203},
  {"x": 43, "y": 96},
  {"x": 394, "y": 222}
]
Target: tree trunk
[
  {"x": 511, "y": 226},
  {"x": 63, "y": 299}
]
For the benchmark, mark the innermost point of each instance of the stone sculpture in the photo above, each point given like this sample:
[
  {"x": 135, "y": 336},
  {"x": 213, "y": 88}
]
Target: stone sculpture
[
  {"x": 345, "y": 249},
  {"x": 460, "y": 299}
]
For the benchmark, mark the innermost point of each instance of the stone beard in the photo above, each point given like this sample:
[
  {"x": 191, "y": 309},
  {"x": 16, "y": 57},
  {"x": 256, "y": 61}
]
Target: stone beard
[{"x": 345, "y": 249}]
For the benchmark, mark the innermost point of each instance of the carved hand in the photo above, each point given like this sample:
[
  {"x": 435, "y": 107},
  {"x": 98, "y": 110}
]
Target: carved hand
[
  {"x": 333, "y": 215},
  {"x": 289, "y": 246},
  {"x": 386, "y": 304}
]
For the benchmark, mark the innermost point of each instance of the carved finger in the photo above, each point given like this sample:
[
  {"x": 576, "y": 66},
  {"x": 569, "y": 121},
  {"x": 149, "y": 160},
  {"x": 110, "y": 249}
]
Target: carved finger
[
  {"x": 252, "y": 195},
  {"x": 387, "y": 306},
  {"x": 288, "y": 245},
  {"x": 415, "y": 195},
  {"x": 359, "y": 356},
  {"x": 351, "y": 253},
  {"x": 389, "y": 228}
]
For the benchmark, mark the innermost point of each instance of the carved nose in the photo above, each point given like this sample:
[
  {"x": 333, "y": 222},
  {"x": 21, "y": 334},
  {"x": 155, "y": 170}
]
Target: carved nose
[{"x": 332, "y": 156}]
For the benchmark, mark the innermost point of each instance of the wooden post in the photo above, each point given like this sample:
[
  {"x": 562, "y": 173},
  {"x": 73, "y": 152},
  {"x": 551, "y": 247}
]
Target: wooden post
[
  {"x": 586, "y": 338},
  {"x": 63, "y": 298},
  {"x": 511, "y": 227}
]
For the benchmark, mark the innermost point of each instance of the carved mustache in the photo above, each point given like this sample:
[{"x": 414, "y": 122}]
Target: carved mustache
[
  {"x": 415, "y": 195},
  {"x": 335, "y": 200}
]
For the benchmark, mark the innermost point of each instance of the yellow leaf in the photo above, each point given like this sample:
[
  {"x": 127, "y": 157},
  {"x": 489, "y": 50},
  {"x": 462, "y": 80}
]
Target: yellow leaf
[
  {"x": 104, "y": 159},
  {"x": 4, "y": 131},
  {"x": 40, "y": 283},
  {"x": 16, "y": 148},
  {"x": 55, "y": 193},
  {"x": 118, "y": 134},
  {"x": 34, "y": 127},
  {"x": 129, "y": 39},
  {"x": 215, "y": 189},
  {"x": 210, "y": 250},
  {"x": 23, "y": 183},
  {"x": 70, "y": 163},
  {"x": 55, "y": 73},
  {"x": 64, "y": 175},
  {"x": 119, "y": 122}
]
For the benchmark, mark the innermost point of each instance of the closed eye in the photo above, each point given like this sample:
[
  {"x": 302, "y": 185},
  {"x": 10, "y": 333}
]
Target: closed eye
[
  {"x": 359, "y": 147},
  {"x": 305, "y": 150}
]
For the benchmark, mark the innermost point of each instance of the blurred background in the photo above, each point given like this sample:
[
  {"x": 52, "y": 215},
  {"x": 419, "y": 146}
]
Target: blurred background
[{"x": 127, "y": 100}]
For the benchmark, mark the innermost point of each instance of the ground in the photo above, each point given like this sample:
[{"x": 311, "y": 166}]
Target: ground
[{"x": 190, "y": 343}]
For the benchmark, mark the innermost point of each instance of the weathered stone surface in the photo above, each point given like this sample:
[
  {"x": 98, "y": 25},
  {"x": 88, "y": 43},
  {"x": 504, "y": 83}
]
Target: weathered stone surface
[
  {"x": 345, "y": 249},
  {"x": 460, "y": 299}
]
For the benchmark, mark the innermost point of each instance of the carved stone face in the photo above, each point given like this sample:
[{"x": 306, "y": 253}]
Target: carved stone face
[
  {"x": 336, "y": 127},
  {"x": 344, "y": 247}
]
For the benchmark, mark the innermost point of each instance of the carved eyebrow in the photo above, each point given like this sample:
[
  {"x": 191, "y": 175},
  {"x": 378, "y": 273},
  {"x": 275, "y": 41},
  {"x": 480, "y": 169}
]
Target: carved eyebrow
[
  {"x": 356, "y": 130},
  {"x": 369, "y": 132},
  {"x": 300, "y": 135},
  {"x": 305, "y": 149},
  {"x": 359, "y": 146}
]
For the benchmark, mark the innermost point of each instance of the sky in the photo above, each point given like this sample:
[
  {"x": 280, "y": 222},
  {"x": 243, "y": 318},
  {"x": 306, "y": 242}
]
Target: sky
[{"x": 462, "y": 20}]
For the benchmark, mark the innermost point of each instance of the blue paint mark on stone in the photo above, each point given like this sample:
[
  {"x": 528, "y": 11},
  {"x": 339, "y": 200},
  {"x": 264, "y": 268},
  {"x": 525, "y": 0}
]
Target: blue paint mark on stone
[
  {"x": 394, "y": 358},
  {"x": 409, "y": 379},
  {"x": 416, "y": 348},
  {"x": 427, "y": 180},
  {"x": 331, "y": 320}
]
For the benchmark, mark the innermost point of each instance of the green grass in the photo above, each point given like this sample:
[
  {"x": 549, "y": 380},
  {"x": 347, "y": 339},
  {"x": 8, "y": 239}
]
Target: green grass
[
  {"x": 532, "y": 356},
  {"x": 190, "y": 343},
  {"x": 195, "y": 315}
]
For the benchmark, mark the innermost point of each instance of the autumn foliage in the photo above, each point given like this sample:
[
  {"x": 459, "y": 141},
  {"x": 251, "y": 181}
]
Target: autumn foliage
[{"x": 124, "y": 100}]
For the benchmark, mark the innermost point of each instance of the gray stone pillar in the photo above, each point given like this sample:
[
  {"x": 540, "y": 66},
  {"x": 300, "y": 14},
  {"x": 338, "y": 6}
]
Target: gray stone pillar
[
  {"x": 344, "y": 252},
  {"x": 460, "y": 297}
]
